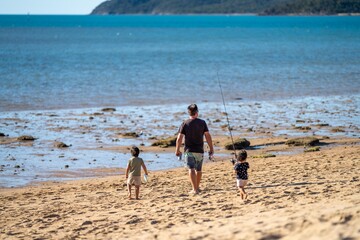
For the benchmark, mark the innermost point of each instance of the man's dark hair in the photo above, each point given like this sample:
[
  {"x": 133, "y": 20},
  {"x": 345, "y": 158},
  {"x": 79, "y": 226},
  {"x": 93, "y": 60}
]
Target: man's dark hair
[
  {"x": 192, "y": 109},
  {"x": 242, "y": 155},
  {"x": 134, "y": 151}
]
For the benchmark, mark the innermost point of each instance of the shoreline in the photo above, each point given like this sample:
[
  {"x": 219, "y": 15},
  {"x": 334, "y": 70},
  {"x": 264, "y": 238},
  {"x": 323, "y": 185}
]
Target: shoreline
[
  {"x": 261, "y": 149},
  {"x": 139, "y": 104}
]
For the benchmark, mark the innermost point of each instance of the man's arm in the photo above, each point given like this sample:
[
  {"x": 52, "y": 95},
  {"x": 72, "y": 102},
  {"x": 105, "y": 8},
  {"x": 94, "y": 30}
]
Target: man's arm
[
  {"x": 178, "y": 144},
  {"x": 209, "y": 142}
]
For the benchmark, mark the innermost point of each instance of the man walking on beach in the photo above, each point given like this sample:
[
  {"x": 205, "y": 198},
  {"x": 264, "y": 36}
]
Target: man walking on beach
[{"x": 194, "y": 130}]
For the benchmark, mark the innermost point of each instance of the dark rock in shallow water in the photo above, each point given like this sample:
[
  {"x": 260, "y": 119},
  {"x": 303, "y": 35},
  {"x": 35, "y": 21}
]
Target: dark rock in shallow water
[
  {"x": 239, "y": 143},
  {"x": 2, "y": 135},
  {"x": 26, "y": 138},
  {"x": 266, "y": 155},
  {"x": 108, "y": 109},
  {"x": 305, "y": 141},
  {"x": 304, "y": 128},
  {"x": 167, "y": 142},
  {"x": 322, "y": 125},
  {"x": 60, "y": 145},
  {"x": 130, "y": 134},
  {"x": 337, "y": 129},
  {"x": 312, "y": 149}
]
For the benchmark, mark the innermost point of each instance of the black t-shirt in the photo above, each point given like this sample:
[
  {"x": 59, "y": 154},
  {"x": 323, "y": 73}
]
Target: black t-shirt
[
  {"x": 241, "y": 170},
  {"x": 194, "y": 130}
]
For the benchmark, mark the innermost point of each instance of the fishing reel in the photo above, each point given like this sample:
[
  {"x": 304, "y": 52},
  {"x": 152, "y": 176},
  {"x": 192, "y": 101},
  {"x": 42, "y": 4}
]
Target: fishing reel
[
  {"x": 233, "y": 161},
  {"x": 211, "y": 157}
]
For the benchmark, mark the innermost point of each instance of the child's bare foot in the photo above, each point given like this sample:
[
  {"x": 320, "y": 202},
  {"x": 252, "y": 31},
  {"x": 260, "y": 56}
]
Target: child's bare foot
[{"x": 193, "y": 192}]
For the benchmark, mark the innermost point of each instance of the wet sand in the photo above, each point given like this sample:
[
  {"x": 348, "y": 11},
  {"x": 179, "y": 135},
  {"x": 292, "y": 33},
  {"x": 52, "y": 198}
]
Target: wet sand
[
  {"x": 312, "y": 195},
  {"x": 96, "y": 138}
]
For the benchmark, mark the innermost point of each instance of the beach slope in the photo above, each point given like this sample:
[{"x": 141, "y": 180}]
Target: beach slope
[{"x": 313, "y": 195}]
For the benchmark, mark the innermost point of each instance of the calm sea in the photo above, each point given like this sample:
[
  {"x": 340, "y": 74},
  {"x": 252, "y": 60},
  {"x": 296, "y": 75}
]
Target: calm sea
[{"x": 56, "y": 62}]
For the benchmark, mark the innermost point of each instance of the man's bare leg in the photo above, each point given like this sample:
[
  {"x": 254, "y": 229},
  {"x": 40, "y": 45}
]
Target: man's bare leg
[
  {"x": 193, "y": 180},
  {"x": 198, "y": 180}
]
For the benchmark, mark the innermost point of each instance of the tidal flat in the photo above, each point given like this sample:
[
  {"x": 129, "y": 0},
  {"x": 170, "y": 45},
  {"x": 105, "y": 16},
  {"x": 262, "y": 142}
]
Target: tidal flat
[{"x": 98, "y": 138}]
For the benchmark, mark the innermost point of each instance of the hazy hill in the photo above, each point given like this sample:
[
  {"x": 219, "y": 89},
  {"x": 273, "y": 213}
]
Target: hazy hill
[
  {"x": 267, "y": 7},
  {"x": 184, "y": 6}
]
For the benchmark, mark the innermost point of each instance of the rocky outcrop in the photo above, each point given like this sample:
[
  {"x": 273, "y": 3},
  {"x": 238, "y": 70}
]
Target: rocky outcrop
[
  {"x": 167, "y": 142},
  {"x": 240, "y": 143},
  {"x": 61, "y": 145},
  {"x": 26, "y": 138},
  {"x": 305, "y": 141}
]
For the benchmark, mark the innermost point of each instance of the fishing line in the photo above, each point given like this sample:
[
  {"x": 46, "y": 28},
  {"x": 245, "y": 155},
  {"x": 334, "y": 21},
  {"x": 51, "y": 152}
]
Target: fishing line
[{"x": 227, "y": 117}]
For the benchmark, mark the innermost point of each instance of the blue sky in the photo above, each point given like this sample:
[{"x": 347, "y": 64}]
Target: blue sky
[{"x": 48, "y": 6}]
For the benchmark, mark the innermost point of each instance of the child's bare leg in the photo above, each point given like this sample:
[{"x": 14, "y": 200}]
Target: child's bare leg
[
  {"x": 129, "y": 191},
  {"x": 137, "y": 191},
  {"x": 245, "y": 194},
  {"x": 242, "y": 192}
]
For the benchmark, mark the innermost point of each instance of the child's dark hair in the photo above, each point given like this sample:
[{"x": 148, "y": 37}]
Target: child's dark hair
[
  {"x": 242, "y": 155},
  {"x": 135, "y": 151}
]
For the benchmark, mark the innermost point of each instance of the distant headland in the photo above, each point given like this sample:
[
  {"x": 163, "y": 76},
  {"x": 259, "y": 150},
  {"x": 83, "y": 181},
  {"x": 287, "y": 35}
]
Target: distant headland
[{"x": 258, "y": 7}]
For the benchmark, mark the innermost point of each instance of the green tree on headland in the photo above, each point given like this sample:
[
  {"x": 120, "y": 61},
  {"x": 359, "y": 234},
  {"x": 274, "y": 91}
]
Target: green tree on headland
[
  {"x": 267, "y": 7},
  {"x": 324, "y": 7}
]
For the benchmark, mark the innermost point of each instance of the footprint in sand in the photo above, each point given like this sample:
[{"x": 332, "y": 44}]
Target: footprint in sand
[{"x": 271, "y": 237}]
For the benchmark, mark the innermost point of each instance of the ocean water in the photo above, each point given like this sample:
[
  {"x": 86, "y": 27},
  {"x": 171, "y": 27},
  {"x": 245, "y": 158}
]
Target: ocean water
[
  {"x": 57, "y": 72},
  {"x": 66, "y": 62}
]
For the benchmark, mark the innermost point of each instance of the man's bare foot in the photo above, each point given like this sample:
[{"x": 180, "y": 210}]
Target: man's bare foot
[
  {"x": 245, "y": 196},
  {"x": 129, "y": 196},
  {"x": 242, "y": 196},
  {"x": 137, "y": 198},
  {"x": 193, "y": 192}
]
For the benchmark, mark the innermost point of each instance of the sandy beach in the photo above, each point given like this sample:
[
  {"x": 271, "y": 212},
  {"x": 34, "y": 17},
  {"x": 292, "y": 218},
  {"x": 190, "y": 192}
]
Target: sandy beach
[{"x": 312, "y": 195}]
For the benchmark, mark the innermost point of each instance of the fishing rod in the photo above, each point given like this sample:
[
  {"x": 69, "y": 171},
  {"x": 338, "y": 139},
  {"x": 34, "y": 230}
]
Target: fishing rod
[{"x": 227, "y": 117}]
